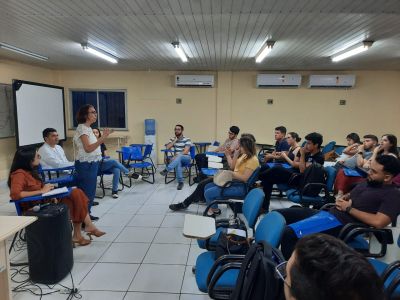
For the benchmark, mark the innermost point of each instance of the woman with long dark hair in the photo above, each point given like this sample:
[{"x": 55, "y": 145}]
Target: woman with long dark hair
[
  {"x": 24, "y": 181},
  {"x": 243, "y": 163},
  {"x": 387, "y": 146},
  {"x": 88, "y": 152}
]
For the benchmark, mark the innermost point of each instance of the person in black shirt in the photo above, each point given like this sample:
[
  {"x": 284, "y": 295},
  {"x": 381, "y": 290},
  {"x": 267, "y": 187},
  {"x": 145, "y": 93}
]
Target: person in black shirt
[
  {"x": 306, "y": 156},
  {"x": 375, "y": 203},
  {"x": 280, "y": 145}
]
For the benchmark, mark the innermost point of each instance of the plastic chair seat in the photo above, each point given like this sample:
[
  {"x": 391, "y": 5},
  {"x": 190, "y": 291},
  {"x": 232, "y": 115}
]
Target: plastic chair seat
[
  {"x": 204, "y": 263},
  {"x": 358, "y": 243},
  {"x": 295, "y": 197},
  {"x": 213, "y": 240},
  {"x": 143, "y": 164},
  {"x": 209, "y": 171},
  {"x": 379, "y": 267}
]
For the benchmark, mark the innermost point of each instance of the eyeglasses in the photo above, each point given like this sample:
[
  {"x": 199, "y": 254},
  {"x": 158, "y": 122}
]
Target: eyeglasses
[{"x": 280, "y": 270}]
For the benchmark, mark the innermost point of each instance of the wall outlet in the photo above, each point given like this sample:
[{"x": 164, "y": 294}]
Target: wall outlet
[
  {"x": 342, "y": 102},
  {"x": 270, "y": 101},
  {"x": 178, "y": 100}
]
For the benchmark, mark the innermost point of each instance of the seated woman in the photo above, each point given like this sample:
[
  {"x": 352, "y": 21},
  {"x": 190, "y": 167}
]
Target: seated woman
[
  {"x": 292, "y": 139},
  {"x": 113, "y": 166},
  {"x": 243, "y": 163},
  {"x": 24, "y": 181},
  {"x": 387, "y": 146},
  {"x": 347, "y": 158}
]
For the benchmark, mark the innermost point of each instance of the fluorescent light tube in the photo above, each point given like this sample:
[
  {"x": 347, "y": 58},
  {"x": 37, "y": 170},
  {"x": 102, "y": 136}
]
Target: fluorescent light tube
[
  {"x": 22, "y": 51},
  {"x": 264, "y": 51},
  {"x": 180, "y": 52},
  {"x": 100, "y": 53},
  {"x": 353, "y": 50}
]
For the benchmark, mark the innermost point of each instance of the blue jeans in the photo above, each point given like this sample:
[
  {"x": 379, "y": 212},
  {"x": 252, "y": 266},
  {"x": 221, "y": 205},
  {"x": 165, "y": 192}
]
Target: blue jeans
[
  {"x": 111, "y": 165},
  {"x": 177, "y": 165},
  {"x": 212, "y": 192},
  {"x": 86, "y": 178}
]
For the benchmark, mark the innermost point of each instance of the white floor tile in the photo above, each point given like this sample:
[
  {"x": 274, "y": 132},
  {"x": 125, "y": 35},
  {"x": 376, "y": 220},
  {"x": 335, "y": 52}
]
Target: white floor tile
[
  {"x": 171, "y": 235},
  {"x": 189, "y": 285},
  {"x": 176, "y": 220},
  {"x": 90, "y": 253},
  {"x": 194, "y": 297},
  {"x": 122, "y": 208},
  {"x": 158, "y": 278},
  {"x": 110, "y": 277},
  {"x": 150, "y": 296},
  {"x": 153, "y": 210},
  {"x": 111, "y": 233},
  {"x": 137, "y": 234},
  {"x": 146, "y": 221},
  {"x": 125, "y": 253},
  {"x": 114, "y": 220},
  {"x": 79, "y": 271},
  {"x": 194, "y": 252},
  {"x": 174, "y": 254},
  {"x": 101, "y": 295}
]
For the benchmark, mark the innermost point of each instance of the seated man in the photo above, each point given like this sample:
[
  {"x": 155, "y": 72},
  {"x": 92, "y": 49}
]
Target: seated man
[
  {"x": 323, "y": 267},
  {"x": 374, "y": 203},
  {"x": 53, "y": 155},
  {"x": 307, "y": 155},
  {"x": 230, "y": 144},
  {"x": 280, "y": 145},
  {"x": 181, "y": 145}
]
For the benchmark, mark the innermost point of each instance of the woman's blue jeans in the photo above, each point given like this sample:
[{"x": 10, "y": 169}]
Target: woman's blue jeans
[
  {"x": 213, "y": 192},
  {"x": 115, "y": 167},
  {"x": 86, "y": 178}
]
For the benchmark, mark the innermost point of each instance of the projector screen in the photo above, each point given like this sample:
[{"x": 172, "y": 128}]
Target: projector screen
[{"x": 37, "y": 106}]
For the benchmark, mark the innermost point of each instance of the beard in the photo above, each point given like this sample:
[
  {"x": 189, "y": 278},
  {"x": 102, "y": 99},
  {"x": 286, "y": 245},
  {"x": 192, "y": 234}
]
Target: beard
[{"x": 374, "y": 183}]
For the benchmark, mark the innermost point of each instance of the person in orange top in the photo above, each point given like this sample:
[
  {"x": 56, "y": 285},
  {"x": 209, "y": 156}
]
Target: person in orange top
[{"x": 24, "y": 181}]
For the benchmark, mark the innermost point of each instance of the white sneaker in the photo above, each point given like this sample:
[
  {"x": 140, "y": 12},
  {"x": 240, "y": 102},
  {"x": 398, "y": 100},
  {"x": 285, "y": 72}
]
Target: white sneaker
[
  {"x": 134, "y": 175},
  {"x": 115, "y": 195}
]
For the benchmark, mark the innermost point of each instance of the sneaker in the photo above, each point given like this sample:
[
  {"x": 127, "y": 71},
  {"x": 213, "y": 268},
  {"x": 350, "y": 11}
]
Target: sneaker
[
  {"x": 164, "y": 172},
  {"x": 93, "y": 218},
  {"x": 135, "y": 176},
  {"x": 114, "y": 194},
  {"x": 95, "y": 203},
  {"x": 177, "y": 206},
  {"x": 180, "y": 186}
]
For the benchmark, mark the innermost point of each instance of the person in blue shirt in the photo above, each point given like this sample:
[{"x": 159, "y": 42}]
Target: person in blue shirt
[{"x": 281, "y": 144}]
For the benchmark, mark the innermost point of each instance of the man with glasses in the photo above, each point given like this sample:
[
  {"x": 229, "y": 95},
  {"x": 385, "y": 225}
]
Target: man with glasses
[
  {"x": 323, "y": 267},
  {"x": 230, "y": 145},
  {"x": 181, "y": 145}
]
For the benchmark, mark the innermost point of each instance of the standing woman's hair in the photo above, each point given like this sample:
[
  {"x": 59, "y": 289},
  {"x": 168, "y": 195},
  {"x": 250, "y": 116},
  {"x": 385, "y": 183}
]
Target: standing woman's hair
[
  {"x": 98, "y": 130},
  {"x": 393, "y": 142},
  {"x": 23, "y": 159},
  {"x": 82, "y": 114},
  {"x": 249, "y": 146}
]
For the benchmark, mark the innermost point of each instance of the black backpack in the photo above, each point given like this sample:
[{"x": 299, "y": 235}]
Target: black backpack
[
  {"x": 257, "y": 277},
  {"x": 315, "y": 173}
]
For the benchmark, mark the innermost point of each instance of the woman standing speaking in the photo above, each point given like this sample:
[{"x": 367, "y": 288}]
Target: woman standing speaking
[{"x": 89, "y": 153}]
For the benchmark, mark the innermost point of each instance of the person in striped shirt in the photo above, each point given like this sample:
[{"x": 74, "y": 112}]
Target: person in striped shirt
[{"x": 181, "y": 146}]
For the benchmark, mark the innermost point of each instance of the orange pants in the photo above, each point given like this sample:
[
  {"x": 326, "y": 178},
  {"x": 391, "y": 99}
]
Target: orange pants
[{"x": 77, "y": 203}]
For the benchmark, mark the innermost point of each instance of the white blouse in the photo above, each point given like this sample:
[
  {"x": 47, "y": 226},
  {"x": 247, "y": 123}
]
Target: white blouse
[{"x": 82, "y": 155}]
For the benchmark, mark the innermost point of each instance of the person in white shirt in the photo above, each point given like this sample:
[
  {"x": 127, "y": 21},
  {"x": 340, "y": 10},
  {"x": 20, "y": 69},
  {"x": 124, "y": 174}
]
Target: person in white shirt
[{"x": 52, "y": 155}]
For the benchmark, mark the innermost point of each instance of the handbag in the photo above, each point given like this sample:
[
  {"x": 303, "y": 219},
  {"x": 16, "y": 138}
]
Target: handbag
[
  {"x": 222, "y": 177},
  {"x": 231, "y": 244}
]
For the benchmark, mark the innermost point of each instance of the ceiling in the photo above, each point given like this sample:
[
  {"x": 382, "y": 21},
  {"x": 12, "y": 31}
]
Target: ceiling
[{"x": 215, "y": 34}]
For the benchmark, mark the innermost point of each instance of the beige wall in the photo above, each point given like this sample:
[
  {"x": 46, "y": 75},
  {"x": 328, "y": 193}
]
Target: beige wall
[
  {"x": 8, "y": 71},
  {"x": 207, "y": 113}
]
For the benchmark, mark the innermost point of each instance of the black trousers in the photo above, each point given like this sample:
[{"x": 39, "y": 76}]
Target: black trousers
[
  {"x": 201, "y": 162},
  {"x": 271, "y": 176},
  {"x": 198, "y": 193},
  {"x": 293, "y": 215}
]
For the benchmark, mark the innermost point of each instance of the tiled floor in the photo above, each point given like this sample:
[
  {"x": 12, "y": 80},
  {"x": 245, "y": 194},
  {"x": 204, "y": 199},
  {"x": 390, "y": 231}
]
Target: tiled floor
[{"x": 143, "y": 255}]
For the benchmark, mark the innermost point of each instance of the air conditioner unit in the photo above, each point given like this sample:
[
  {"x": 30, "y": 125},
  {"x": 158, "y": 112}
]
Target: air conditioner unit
[
  {"x": 194, "y": 80},
  {"x": 332, "y": 81},
  {"x": 278, "y": 80}
]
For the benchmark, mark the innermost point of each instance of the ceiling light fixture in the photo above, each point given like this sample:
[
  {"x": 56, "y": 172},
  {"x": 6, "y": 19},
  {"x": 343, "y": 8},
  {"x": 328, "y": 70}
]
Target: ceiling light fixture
[
  {"x": 353, "y": 50},
  {"x": 180, "y": 52},
  {"x": 264, "y": 51},
  {"x": 22, "y": 51},
  {"x": 100, "y": 53}
]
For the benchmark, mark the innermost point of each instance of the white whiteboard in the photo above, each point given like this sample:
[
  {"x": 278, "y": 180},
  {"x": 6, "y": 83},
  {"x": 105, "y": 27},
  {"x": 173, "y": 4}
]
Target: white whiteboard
[{"x": 38, "y": 106}]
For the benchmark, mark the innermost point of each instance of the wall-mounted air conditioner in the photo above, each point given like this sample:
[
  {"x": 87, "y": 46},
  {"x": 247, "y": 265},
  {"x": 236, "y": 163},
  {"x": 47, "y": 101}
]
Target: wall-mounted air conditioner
[
  {"x": 194, "y": 80},
  {"x": 332, "y": 81},
  {"x": 278, "y": 80}
]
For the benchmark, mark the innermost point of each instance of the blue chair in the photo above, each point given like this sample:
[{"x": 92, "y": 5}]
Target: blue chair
[
  {"x": 297, "y": 196},
  {"x": 328, "y": 147},
  {"x": 188, "y": 167},
  {"x": 58, "y": 176},
  {"x": 339, "y": 149},
  {"x": 145, "y": 163},
  {"x": 269, "y": 230},
  {"x": 390, "y": 275},
  {"x": 251, "y": 209},
  {"x": 101, "y": 174},
  {"x": 246, "y": 186}
]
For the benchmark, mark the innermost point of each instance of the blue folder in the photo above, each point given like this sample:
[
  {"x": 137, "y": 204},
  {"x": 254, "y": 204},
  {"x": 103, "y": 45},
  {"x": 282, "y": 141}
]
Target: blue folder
[
  {"x": 283, "y": 165},
  {"x": 317, "y": 223}
]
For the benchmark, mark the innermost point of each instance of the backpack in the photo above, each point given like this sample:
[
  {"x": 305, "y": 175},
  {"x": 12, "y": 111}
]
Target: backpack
[
  {"x": 257, "y": 278},
  {"x": 315, "y": 173}
]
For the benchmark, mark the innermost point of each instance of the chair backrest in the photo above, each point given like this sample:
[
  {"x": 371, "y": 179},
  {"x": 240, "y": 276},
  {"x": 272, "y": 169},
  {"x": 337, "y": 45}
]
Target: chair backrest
[
  {"x": 270, "y": 229},
  {"x": 147, "y": 150},
  {"x": 252, "y": 205},
  {"x": 136, "y": 153},
  {"x": 331, "y": 176},
  {"x": 253, "y": 178},
  {"x": 216, "y": 143},
  {"x": 339, "y": 149},
  {"x": 126, "y": 152},
  {"x": 328, "y": 147},
  {"x": 192, "y": 151}
]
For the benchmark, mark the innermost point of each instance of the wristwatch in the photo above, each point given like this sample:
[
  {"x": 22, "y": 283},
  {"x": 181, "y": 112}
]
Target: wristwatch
[{"x": 348, "y": 209}]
